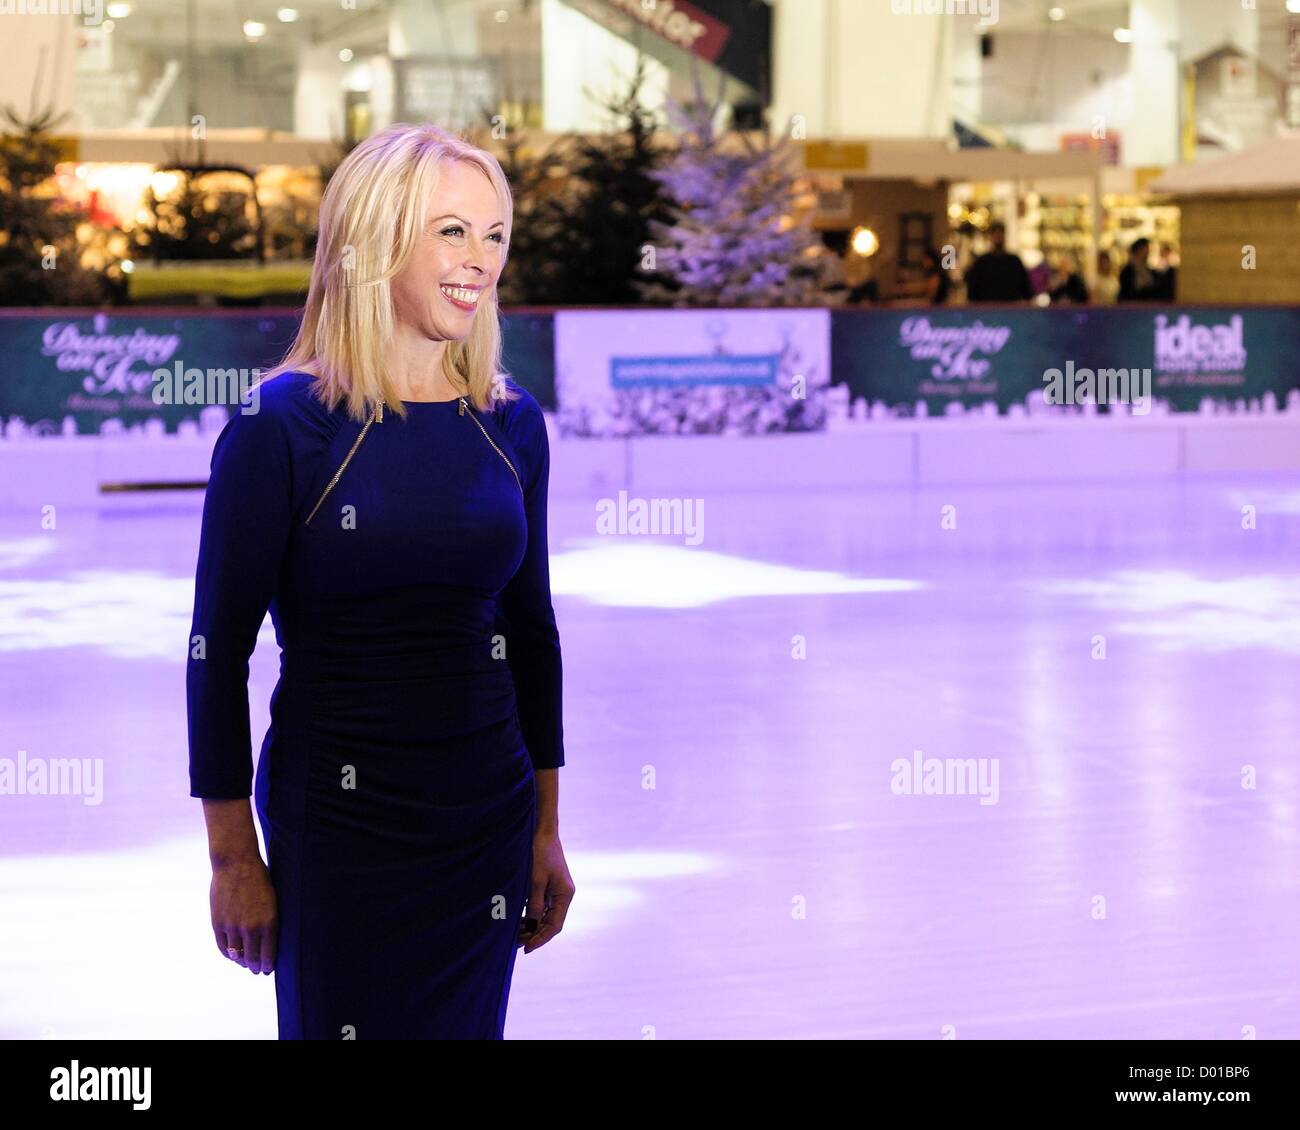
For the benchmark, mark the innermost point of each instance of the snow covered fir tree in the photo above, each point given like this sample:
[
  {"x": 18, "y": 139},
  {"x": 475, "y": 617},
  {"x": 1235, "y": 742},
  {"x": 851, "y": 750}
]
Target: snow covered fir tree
[{"x": 733, "y": 239}]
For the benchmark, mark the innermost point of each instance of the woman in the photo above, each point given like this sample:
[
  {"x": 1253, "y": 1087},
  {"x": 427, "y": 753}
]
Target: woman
[{"x": 387, "y": 502}]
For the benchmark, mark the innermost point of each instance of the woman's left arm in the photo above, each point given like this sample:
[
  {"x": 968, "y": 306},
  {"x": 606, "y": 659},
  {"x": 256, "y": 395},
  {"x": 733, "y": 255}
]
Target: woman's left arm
[
  {"x": 525, "y": 615},
  {"x": 526, "y": 620}
]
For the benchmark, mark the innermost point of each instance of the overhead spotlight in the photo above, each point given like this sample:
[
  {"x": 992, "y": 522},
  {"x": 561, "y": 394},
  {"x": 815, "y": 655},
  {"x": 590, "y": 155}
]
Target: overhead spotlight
[
  {"x": 287, "y": 15},
  {"x": 254, "y": 29},
  {"x": 1293, "y": 6},
  {"x": 118, "y": 11},
  {"x": 500, "y": 15},
  {"x": 1056, "y": 15},
  {"x": 1123, "y": 35}
]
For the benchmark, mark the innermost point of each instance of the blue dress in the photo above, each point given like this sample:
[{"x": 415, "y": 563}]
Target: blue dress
[{"x": 419, "y": 690}]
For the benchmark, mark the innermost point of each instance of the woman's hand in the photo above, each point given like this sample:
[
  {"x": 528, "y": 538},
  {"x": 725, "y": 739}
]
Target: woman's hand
[
  {"x": 244, "y": 914},
  {"x": 550, "y": 893}
]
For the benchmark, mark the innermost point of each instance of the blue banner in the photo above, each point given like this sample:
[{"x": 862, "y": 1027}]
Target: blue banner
[
  {"x": 90, "y": 371},
  {"x": 980, "y": 357},
  {"x": 87, "y": 372}
]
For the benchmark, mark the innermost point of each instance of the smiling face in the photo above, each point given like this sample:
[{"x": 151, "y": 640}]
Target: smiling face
[{"x": 458, "y": 259}]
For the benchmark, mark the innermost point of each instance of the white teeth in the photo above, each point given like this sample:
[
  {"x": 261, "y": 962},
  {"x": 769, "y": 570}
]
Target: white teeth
[{"x": 461, "y": 295}]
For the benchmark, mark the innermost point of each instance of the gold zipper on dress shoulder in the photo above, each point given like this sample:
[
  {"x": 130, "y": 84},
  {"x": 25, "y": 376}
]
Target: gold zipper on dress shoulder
[
  {"x": 460, "y": 412},
  {"x": 377, "y": 413}
]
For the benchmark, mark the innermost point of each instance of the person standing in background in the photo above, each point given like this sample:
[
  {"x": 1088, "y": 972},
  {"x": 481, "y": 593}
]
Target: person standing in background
[
  {"x": 1106, "y": 291},
  {"x": 1067, "y": 283},
  {"x": 998, "y": 275},
  {"x": 1040, "y": 278},
  {"x": 1166, "y": 272},
  {"x": 1137, "y": 282}
]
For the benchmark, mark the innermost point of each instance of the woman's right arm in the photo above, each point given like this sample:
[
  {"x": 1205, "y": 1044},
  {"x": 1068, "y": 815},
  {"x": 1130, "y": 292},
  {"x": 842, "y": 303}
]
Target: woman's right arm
[{"x": 246, "y": 518}]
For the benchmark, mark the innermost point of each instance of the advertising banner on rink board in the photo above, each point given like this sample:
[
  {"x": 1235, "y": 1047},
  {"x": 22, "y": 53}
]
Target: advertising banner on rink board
[
  {"x": 989, "y": 358},
  {"x": 691, "y": 372},
  {"x": 69, "y": 372}
]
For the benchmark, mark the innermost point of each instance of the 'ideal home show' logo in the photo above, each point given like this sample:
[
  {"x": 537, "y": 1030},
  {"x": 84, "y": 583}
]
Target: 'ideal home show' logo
[{"x": 1186, "y": 347}]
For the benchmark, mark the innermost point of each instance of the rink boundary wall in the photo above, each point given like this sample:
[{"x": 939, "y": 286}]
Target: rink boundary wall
[{"x": 894, "y": 453}]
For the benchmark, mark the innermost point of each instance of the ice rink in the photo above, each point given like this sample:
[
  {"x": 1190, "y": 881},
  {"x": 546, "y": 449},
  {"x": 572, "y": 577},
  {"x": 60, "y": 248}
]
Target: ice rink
[{"x": 1116, "y": 664}]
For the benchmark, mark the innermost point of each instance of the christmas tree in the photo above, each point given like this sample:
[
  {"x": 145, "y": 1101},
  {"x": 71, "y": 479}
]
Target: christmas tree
[
  {"x": 533, "y": 276},
  {"x": 732, "y": 238},
  {"x": 40, "y": 259},
  {"x": 609, "y": 220},
  {"x": 583, "y": 208}
]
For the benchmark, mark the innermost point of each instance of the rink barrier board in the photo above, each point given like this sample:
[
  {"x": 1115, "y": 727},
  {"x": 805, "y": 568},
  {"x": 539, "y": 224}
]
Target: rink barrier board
[
  {"x": 73, "y": 472},
  {"x": 63, "y": 369}
]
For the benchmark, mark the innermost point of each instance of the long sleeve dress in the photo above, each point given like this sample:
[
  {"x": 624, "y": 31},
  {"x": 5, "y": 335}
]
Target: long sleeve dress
[{"x": 419, "y": 689}]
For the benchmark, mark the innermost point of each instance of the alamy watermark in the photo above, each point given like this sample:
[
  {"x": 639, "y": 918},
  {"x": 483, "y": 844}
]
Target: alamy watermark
[
  {"x": 948, "y": 776},
  {"x": 987, "y": 10},
  {"x": 1099, "y": 386},
  {"x": 90, "y": 11},
  {"x": 83, "y": 1083},
  {"x": 680, "y": 517},
  {"x": 54, "y": 776},
  {"x": 179, "y": 385}
]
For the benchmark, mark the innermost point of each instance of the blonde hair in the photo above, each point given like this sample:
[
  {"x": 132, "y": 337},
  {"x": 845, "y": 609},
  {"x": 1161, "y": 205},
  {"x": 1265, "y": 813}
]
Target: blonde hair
[{"x": 372, "y": 216}]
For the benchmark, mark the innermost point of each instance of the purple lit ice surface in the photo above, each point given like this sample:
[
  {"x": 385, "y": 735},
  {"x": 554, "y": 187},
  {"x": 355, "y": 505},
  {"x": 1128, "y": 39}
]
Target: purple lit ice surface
[{"x": 771, "y": 883}]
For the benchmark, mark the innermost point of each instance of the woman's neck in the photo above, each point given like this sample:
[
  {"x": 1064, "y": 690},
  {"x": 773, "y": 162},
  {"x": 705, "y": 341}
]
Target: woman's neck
[{"x": 417, "y": 368}]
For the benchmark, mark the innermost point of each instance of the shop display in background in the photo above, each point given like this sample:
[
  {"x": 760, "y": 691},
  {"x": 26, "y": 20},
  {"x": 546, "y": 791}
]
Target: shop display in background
[
  {"x": 196, "y": 222},
  {"x": 205, "y": 212},
  {"x": 1056, "y": 239},
  {"x": 1056, "y": 226},
  {"x": 1053, "y": 232},
  {"x": 158, "y": 224},
  {"x": 1129, "y": 216},
  {"x": 975, "y": 208},
  {"x": 290, "y": 198}
]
